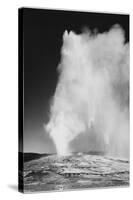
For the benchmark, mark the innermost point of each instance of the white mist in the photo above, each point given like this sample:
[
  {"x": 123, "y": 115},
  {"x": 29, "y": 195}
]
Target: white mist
[{"x": 92, "y": 94}]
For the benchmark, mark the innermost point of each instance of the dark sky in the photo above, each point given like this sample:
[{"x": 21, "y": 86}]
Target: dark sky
[{"x": 43, "y": 30}]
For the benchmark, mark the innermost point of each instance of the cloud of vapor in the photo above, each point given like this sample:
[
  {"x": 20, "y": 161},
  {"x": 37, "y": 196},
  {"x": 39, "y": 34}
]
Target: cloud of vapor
[{"x": 92, "y": 95}]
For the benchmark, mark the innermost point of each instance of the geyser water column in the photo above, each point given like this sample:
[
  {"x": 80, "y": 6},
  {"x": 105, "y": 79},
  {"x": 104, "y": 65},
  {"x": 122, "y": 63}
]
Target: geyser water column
[
  {"x": 65, "y": 122},
  {"x": 92, "y": 91}
]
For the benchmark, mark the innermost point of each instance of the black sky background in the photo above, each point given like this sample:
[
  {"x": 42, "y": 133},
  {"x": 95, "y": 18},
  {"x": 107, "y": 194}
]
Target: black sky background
[{"x": 43, "y": 30}]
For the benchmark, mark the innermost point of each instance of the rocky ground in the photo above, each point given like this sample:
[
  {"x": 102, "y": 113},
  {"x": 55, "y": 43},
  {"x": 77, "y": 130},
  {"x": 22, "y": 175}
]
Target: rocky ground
[{"x": 77, "y": 171}]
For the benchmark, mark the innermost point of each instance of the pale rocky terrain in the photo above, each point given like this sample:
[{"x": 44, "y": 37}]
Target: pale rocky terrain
[{"x": 77, "y": 171}]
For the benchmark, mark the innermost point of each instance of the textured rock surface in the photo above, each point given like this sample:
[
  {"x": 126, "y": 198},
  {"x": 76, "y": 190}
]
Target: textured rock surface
[{"x": 77, "y": 171}]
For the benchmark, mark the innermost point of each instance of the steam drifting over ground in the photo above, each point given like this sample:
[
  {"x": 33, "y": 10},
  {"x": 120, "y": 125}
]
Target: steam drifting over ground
[{"x": 92, "y": 94}]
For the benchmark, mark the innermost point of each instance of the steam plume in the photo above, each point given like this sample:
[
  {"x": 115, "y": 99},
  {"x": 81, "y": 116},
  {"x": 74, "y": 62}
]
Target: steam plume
[{"x": 92, "y": 94}]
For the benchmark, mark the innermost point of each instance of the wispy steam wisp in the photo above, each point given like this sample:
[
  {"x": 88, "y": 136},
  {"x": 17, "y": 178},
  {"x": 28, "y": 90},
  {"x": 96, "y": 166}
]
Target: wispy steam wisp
[{"x": 92, "y": 94}]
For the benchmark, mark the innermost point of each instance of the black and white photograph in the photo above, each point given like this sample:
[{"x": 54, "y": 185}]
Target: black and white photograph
[{"x": 73, "y": 100}]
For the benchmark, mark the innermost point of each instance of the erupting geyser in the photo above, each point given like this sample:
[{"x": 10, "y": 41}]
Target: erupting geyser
[{"x": 92, "y": 94}]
